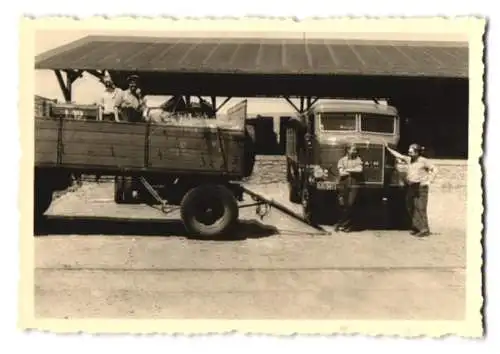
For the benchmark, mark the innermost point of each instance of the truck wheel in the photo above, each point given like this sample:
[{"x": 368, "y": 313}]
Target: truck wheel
[{"x": 209, "y": 210}]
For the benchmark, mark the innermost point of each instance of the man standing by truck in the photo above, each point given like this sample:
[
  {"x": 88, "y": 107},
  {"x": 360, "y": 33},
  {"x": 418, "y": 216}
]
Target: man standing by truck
[
  {"x": 350, "y": 169},
  {"x": 421, "y": 173}
]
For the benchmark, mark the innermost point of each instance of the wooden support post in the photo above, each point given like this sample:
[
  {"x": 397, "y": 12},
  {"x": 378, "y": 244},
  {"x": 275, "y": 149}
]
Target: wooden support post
[
  {"x": 63, "y": 85},
  {"x": 293, "y": 105},
  {"x": 214, "y": 103},
  {"x": 223, "y": 104}
]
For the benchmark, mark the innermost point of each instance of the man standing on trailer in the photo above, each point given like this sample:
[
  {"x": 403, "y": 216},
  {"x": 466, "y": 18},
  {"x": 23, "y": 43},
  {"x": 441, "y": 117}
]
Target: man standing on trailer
[
  {"x": 421, "y": 172},
  {"x": 132, "y": 103},
  {"x": 110, "y": 98}
]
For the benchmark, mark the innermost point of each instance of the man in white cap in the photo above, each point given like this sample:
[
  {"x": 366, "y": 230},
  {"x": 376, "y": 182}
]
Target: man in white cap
[{"x": 109, "y": 100}]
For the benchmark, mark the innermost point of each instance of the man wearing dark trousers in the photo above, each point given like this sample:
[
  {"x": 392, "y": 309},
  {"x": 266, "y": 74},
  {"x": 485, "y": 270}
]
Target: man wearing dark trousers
[
  {"x": 421, "y": 172},
  {"x": 350, "y": 169}
]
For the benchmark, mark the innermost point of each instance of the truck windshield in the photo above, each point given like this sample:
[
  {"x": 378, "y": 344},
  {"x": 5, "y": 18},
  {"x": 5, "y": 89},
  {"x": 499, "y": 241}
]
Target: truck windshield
[
  {"x": 337, "y": 121},
  {"x": 377, "y": 123}
]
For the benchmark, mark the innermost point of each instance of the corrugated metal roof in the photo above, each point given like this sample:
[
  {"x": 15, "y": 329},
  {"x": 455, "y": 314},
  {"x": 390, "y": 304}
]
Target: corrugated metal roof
[{"x": 261, "y": 56}]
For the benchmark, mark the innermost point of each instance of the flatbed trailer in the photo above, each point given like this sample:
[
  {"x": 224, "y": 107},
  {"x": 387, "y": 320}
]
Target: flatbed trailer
[{"x": 199, "y": 165}]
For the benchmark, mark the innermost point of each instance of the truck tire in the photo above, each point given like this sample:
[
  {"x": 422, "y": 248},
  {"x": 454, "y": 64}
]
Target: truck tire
[
  {"x": 249, "y": 151},
  {"x": 209, "y": 210}
]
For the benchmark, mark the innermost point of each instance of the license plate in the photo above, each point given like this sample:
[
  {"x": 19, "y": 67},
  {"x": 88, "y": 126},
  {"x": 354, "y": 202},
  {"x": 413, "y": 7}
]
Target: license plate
[{"x": 325, "y": 185}]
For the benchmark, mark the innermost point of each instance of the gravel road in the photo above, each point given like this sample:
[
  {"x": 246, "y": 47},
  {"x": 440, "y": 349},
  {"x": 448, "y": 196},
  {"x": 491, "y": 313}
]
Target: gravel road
[{"x": 91, "y": 262}]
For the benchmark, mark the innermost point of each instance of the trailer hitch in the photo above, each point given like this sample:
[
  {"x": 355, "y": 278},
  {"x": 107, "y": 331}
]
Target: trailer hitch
[
  {"x": 163, "y": 204},
  {"x": 262, "y": 210}
]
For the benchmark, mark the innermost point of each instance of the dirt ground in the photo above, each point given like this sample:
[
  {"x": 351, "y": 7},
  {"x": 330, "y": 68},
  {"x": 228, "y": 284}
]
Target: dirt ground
[{"x": 92, "y": 262}]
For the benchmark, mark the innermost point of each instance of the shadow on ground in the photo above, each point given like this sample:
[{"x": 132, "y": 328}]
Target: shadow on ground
[{"x": 98, "y": 226}]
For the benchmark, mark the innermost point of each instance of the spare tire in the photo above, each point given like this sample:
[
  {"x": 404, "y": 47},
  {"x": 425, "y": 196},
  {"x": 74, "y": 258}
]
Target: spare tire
[
  {"x": 249, "y": 151},
  {"x": 209, "y": 210}
]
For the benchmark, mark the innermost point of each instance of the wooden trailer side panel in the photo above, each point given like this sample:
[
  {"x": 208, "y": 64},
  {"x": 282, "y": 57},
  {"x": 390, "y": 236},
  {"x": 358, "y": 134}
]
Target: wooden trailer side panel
[
  {"x": 138, "y": 146},
  {"x": 46, "y": 140},
  {"x": 196, "y": 149},
  {"x": 106, "y": 144}
]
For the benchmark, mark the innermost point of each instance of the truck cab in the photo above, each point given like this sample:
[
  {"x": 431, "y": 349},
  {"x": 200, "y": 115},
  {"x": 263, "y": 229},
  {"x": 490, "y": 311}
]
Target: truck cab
[{"x": 317, "y": 140}]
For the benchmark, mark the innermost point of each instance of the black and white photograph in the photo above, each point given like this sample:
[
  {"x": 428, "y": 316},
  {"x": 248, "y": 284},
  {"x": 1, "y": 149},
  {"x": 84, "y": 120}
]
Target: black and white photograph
[{"x": 321, "y": 174}]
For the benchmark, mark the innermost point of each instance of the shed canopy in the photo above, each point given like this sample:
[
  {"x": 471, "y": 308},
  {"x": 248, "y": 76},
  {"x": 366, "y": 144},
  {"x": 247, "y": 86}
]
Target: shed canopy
[
  {"x": 262, "y": 66},
  {"x": 261, "y": 56}
]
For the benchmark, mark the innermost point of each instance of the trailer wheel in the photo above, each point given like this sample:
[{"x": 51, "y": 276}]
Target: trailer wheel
[{"x": 209, "y": 210}]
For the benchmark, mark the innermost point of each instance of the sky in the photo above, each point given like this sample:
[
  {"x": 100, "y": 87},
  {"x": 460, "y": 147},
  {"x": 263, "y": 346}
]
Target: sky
[{"x": 88, "y": 89}]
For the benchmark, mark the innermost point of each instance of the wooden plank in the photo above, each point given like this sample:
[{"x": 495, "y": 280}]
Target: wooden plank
[
  {"x": 201, "y": 162},
  {"x": 106, "y": 150},
  {"x": 86, "y": 137},
  {"x": 46, "y": 138},
  {"x": 104, "y": 126},
  {"x": 165, "y": 152},
  {"x": 46, "y": 134},
  {"x": 45, "y": 157},
  {"x": 46, "y": 123},
  {"x": 46, "y": 146},
  {"x": 105, "y": 161},
  {"x": 188, "y": 131},
  {"x": 195, "y": 144}
]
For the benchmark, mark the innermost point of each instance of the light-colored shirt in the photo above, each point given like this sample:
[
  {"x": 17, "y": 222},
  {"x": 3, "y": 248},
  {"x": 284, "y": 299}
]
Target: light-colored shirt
[
  {"x": 128, "y": 99},
  {"x": 418, "y": 170},
  {"x": 346, "y": 163},
  {"x": 110, "y": 99}
]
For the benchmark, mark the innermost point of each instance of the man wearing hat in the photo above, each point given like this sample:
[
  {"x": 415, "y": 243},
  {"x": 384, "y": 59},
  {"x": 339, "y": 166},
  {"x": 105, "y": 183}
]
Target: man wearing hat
[
  {"x": 110, "y": 98},
  {"x": 132, "y": 102}
]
